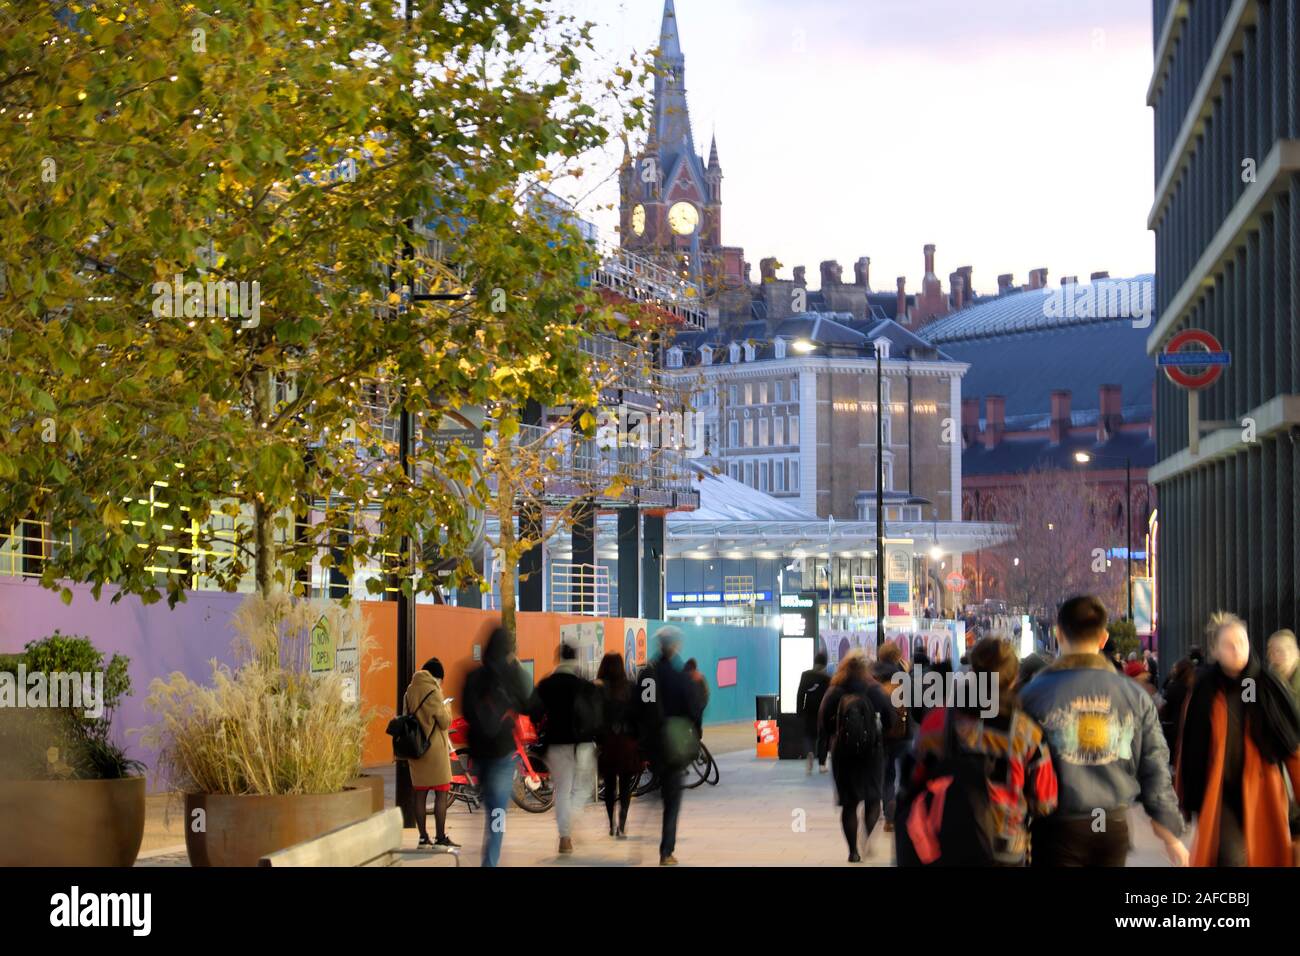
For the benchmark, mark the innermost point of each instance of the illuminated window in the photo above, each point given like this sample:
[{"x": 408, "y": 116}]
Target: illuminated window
[
  {"x": 749, "y": 434},
  {"x": 794, "y": 430},
  {"x": 778, "y": 431},
  {"x": 762, "y": 433}
]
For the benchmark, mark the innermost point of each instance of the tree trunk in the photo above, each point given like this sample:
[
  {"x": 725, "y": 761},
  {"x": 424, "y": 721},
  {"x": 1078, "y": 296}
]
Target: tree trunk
[
  {"x": 509, "y": 559},
  {"x": 263, "y": 517}
]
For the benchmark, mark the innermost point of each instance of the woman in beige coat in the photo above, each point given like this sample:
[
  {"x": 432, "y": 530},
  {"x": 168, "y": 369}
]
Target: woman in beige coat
[{"x": 433, "y": 770}]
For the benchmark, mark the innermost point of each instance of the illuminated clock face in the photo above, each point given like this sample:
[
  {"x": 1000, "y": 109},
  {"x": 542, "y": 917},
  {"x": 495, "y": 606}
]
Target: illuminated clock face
[
  {"x": 638, "y": 219},
  {"x": 683, "y": 218}
]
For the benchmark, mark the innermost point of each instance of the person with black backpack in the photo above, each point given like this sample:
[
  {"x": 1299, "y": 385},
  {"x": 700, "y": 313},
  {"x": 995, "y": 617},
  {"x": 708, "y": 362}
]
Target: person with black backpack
[
  {"x": 855, "y": 714},
  {"x": 972, "y": 784},
  {"x": 568, "y": 712},
  {"x": 429, "y": 759}
]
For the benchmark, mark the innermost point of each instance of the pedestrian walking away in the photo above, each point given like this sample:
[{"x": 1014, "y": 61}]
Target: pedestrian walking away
[
  {"x": 812, "y": 688},
  {"x": 1107, "y": 749},
  {"x": 567, "y": 710},
  {"x": 972, "y": 784},
  {"x": 855, "y": 714},
  {"x": 619, "y": 758}
]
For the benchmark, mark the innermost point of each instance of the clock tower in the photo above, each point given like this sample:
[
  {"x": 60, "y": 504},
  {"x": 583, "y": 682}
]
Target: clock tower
[{"x": 670, "y": 197}]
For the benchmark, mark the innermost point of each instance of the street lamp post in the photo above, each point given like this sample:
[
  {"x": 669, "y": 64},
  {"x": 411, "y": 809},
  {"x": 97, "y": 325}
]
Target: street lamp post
[
  {"x": 880, "y": 503},
  {"x": 1083, "y": 458},
  {"x": 807, "y": 347}
]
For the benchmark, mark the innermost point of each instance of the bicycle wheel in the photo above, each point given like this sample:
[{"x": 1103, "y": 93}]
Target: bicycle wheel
[
  {"x": 533, "y": 793},
  {"x": 646, "y": 781},
  {"x": 698, "y": 773}
]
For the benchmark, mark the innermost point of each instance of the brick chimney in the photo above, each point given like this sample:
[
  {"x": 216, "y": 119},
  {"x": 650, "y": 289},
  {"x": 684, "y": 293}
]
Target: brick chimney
[
  {"x": 1060, "y": 415},
  {"x": 862, "y": 273},
  {"x": 958, "y": 286},
  {"x": 1099, "y": 275},
  {"x": 1069, "y": 280},
  {"x": 831, "y": 274},
  {"x": 767, "y": 268},
  {"x": 800, "y": 276},
  {"x": 1110, "y": 415},
  {"x": 929, "y": 280},
  {"x": 966, "y": 272},
  {"x": 1004, "y": 283},
  {"x": 901, "y": 316},
  {"x": 970, "y": 421},
  {"x": 995, "y": 420},
  {"x": 1038, "y": 279}
]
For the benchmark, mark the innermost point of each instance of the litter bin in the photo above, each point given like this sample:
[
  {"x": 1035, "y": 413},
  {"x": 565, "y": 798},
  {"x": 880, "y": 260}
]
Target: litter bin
[{"x": 766, "y": 735}]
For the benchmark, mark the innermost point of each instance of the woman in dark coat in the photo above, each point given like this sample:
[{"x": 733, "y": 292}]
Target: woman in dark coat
[
  {"x": 619, "y": 759},
  {"x": 858, "y": 779},
  {"x": 1241, "y": 734}
]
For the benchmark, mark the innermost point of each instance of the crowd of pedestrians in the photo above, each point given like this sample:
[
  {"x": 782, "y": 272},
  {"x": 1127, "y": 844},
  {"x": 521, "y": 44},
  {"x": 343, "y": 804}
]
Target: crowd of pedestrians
[
  {"x": 1046, "y": 774},
  {"x": 611, "y": 727},
  {"x": 1076, "y": 743}
]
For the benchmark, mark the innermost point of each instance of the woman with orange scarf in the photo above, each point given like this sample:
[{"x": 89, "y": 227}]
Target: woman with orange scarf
[{"x": 1241, "y": 732}]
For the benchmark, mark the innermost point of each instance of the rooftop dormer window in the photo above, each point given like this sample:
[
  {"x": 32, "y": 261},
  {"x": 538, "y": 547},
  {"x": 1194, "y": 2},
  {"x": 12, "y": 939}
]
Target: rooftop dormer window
[
  {"x": 778, "y": 348},
  {"x": 749, "y": 351},
  {"x": 706, "y": 355},
  {"x": 733, "y": 353},
  {"x": 674, "y": 357}
]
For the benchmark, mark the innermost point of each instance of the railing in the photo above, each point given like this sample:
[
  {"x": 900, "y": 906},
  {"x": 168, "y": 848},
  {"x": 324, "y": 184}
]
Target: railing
[
  {"x": 638, "y": 279},
  {"x": 580, "y": 589},
  {"x": 595, "y": 468}
]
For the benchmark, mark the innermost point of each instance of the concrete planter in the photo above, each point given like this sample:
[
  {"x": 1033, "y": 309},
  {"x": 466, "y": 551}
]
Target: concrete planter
[
  {"x": 71, "y": 822},
  {"x": 239, "y": 831}
]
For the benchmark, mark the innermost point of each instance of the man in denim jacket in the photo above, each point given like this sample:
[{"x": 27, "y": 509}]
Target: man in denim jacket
[{"x": 1107, "y": 747}]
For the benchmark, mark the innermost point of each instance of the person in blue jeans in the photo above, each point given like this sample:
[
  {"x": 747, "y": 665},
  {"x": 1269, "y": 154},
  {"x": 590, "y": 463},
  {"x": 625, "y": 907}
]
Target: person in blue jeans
[
  {"x": 495, "y": 695},
  {"x": 495, "y": 779}
]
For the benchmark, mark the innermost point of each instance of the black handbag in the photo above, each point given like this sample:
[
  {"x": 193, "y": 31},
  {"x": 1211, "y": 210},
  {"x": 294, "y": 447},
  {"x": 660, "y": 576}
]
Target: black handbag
[{"x": 410, "y": 742}]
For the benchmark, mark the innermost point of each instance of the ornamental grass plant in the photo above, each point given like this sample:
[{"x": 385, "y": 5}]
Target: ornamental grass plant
[{"x": 267, "y": 726}]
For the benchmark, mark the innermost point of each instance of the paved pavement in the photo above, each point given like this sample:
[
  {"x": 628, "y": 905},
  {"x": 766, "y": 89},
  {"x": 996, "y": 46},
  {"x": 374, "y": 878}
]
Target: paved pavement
[{"x": 761, "y": 813}]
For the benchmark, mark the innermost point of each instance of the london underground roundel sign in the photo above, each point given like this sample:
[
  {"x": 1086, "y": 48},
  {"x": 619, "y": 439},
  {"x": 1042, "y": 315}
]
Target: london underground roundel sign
[
  {"x": 1194, "y": 359},
  {"x": 955, "y": 582}
]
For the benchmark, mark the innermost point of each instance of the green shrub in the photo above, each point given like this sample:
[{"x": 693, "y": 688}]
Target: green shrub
[
  {"x": 53, "y": 743},
  {"x": 1124, "y": 637}
]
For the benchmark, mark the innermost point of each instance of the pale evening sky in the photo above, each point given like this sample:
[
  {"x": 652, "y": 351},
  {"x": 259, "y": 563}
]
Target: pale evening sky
[{"x": 1013, "y": 134}]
